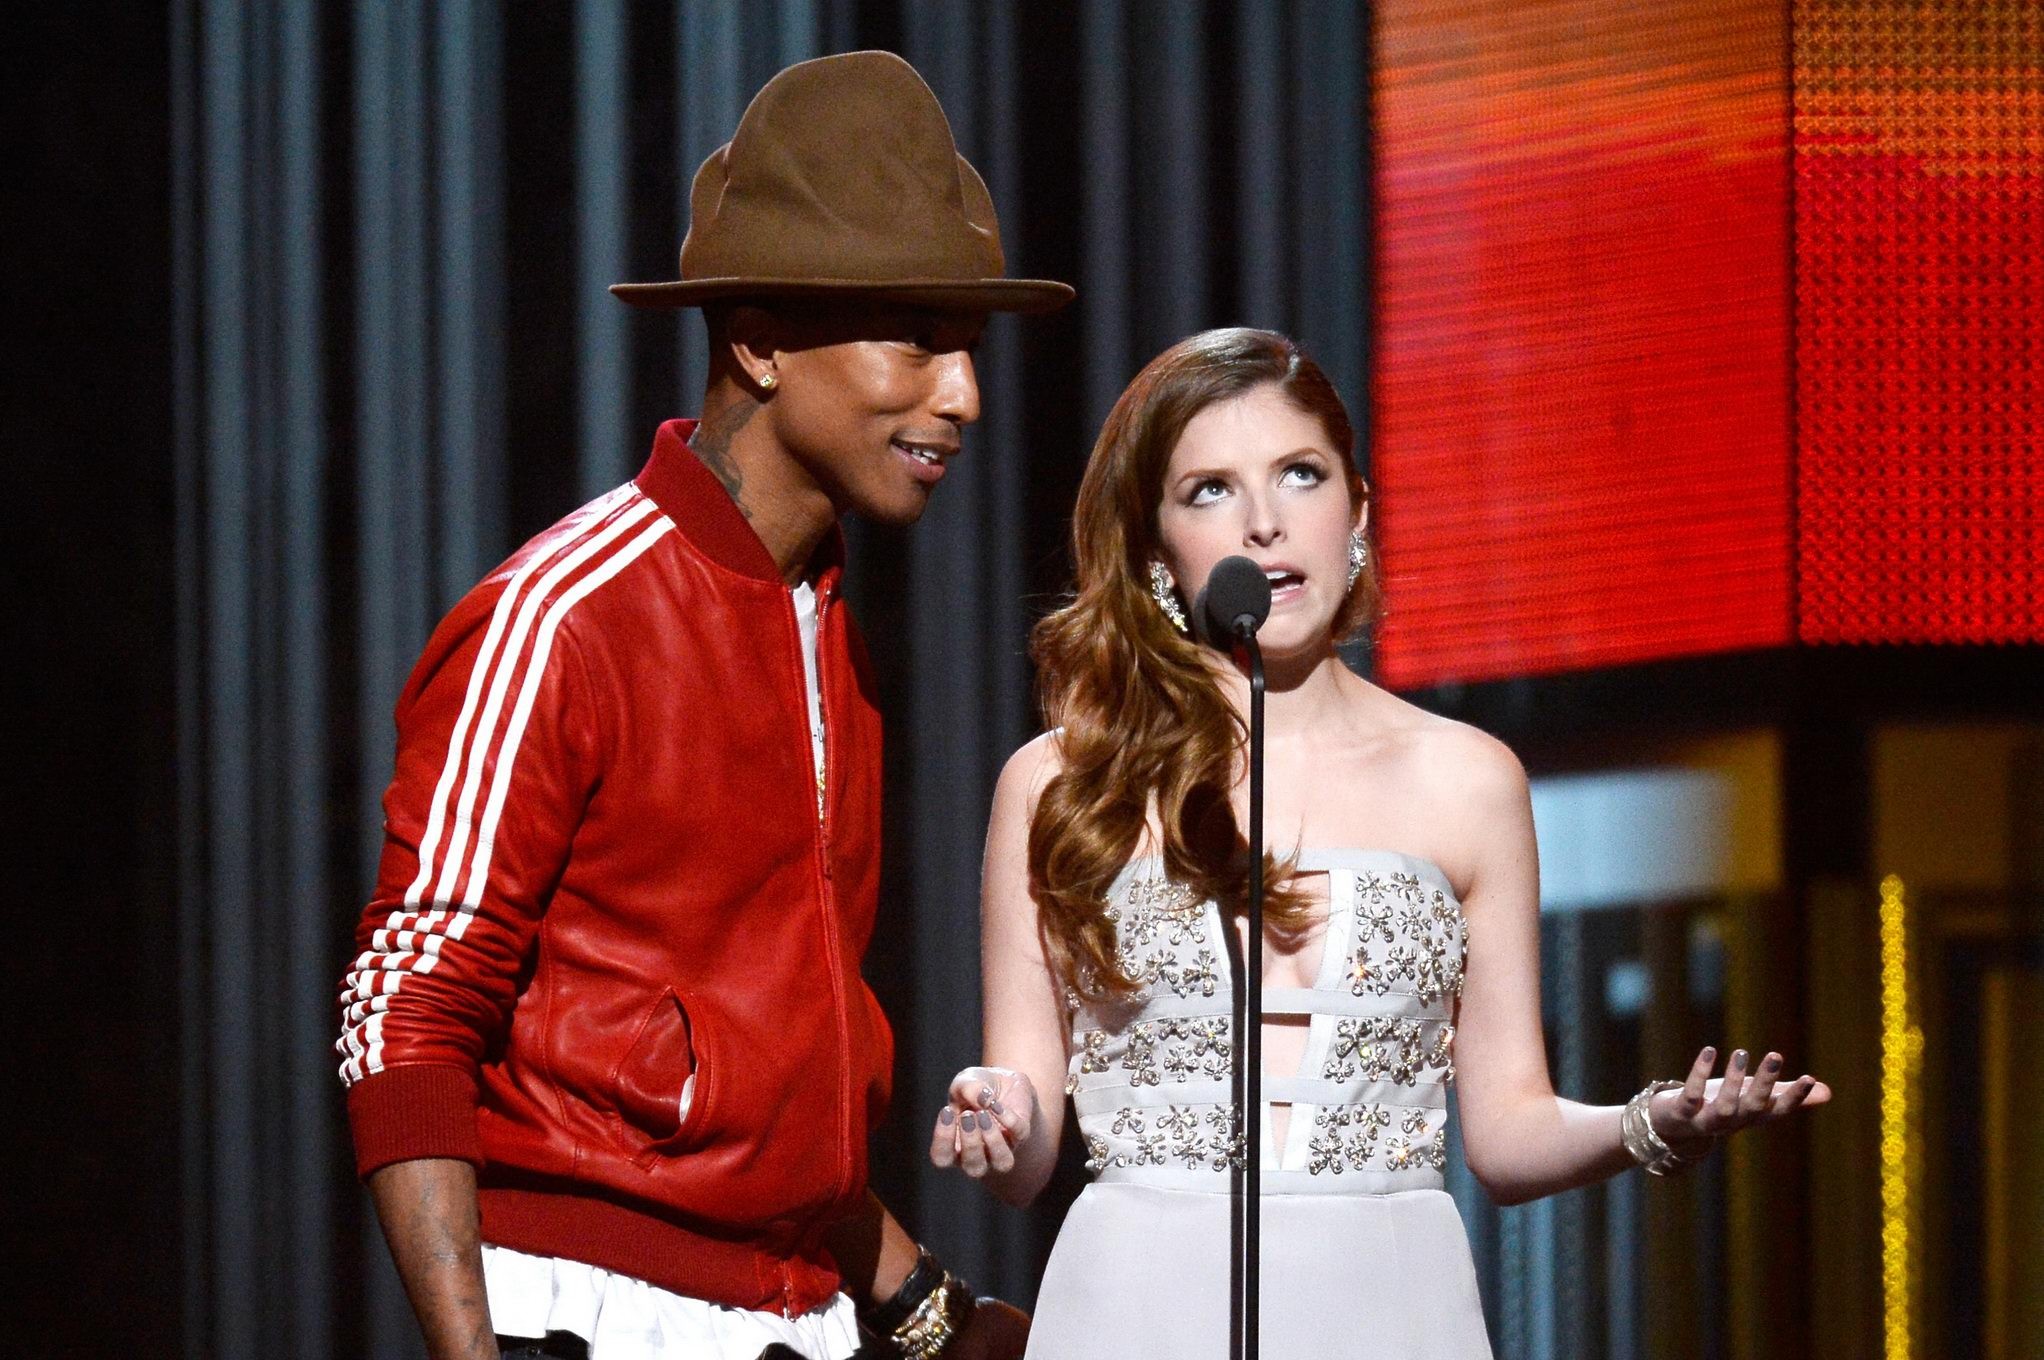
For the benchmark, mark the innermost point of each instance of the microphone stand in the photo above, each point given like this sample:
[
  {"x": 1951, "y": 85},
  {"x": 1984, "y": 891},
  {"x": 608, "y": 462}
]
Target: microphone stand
[
  {"x": 1235, "y": 612},
  {"x": 1252, "y": 1009}
]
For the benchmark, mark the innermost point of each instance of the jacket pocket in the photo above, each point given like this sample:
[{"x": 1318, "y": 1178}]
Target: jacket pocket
[{"x": 646, "y": 1086}]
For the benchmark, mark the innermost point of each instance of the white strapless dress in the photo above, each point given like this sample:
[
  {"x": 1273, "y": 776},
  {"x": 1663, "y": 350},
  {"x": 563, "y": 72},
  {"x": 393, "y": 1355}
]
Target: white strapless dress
[{"x": 1364, "y": 1255}]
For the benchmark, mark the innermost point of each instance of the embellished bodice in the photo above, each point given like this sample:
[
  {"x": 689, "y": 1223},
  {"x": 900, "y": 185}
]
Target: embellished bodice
[{"x": 1151, "y": 1075}]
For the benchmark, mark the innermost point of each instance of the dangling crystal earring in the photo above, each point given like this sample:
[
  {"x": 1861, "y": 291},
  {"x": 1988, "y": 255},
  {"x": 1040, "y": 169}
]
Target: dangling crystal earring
[
  {"x": 1358, "y": 553},
  {"x": 1162, "y": 586}
]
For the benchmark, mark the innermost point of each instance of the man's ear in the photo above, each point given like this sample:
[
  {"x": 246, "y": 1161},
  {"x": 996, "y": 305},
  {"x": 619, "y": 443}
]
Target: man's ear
[{"x": 751, "y": 337}]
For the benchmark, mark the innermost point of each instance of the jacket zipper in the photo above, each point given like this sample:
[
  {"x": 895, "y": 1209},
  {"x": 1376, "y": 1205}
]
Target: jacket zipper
[{"x": 834, "y": 944}]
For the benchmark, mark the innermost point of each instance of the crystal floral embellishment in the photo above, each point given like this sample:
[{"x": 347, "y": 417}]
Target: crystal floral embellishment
[
  {"x": 1345, "y": 1137},
  {"x": 1407, "y": 944},
  {"x": 1421, "y": 934},
  {"x": 1365, "y": 975},
  {"x": 1181, "y": 1125},
  {"x": 1198, "y": 976},
  {"x": 1383, "y": 1049},
  {"x": 1139, "y": 1060},
  {"x": 1441, "y": 1055},
  {"x": 1226, "y": 1143},
  {"x": 1158, "y": 904}
]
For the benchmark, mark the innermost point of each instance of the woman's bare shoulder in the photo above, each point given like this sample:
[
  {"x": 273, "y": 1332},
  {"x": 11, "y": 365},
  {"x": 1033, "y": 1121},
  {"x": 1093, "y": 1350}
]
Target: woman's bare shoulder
[
  {"x": 1455, "y": 757},
  {"x": 1040, "y": 757},
  {"x": 1458, "y": 785},
  {"x": 1034, "y": 764}
]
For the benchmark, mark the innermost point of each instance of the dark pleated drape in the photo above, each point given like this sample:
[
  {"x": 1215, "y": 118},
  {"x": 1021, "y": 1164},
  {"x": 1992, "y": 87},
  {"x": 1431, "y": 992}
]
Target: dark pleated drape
[
  {"x": 395, "y": 361},
  {"x": 258, "y": 1136}
]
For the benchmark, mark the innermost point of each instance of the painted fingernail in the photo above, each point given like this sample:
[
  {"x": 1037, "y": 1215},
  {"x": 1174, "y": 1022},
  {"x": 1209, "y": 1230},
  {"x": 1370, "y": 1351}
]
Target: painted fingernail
[
  {"x": 1739, "y": 1058},
  {"x": 995, "y": 1106},
  {"x": 1774, "y": 1062},
  {"x": 1710, "y": 1055},
  {"x": 946, "y": 1117},
  {"x": 986, "y": 1120}
]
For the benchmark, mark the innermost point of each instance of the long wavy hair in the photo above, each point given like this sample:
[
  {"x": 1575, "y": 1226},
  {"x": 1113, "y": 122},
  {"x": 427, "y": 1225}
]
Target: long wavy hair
[{"x": 1140, "y": 721}]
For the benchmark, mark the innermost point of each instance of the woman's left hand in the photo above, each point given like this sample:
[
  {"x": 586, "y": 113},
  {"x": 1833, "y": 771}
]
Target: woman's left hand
[
  {"x": 992, "y": 1113},
  {"x": 1707, "y": 1108}
]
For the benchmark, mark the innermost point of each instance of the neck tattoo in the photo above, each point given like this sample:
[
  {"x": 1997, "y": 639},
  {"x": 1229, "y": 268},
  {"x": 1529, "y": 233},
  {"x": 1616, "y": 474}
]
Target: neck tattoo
[{"x": 712, "y": 444}]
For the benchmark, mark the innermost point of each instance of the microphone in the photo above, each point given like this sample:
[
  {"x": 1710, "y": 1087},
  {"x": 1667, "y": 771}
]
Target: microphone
[
  {"x": 1228, "y": 611},
  {"x": 1234, "y": 602}
]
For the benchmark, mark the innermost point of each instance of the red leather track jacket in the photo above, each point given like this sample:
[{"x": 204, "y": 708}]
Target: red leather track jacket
[{"x": 605, "y": 870}]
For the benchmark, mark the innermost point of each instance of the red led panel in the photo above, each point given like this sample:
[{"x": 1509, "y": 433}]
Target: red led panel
[
  {"x": 1919, "y": 224},
  {"x": 1581, "y": 395}
]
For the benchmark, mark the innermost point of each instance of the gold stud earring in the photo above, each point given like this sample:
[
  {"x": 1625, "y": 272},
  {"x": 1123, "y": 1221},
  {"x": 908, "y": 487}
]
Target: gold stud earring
[{"x": 768, "y": 382}]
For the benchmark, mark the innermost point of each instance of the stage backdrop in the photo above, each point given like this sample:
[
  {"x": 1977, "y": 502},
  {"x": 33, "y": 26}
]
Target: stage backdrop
[
  {"x": 1706, "y": 327},
  {"x": 1919, "y": 246},
  {"x": 1582, "y": 379}
]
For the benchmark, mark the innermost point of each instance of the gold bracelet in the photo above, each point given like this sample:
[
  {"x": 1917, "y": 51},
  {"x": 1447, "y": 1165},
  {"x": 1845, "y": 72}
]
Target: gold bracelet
[{"x": 936, "y": 1321}]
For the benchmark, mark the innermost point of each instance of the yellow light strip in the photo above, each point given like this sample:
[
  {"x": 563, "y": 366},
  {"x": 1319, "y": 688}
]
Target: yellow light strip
[{"x": 1901, "y": 1053}]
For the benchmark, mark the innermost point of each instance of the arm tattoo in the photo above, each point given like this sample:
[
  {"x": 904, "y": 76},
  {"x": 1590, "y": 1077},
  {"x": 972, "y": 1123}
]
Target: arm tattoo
[{"x": 712, "y": 444}]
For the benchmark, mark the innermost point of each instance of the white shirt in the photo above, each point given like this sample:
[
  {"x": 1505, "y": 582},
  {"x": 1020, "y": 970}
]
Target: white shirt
[
  {"x": 805, "y": 619},
  {"x": 623, "y": 1318},
  {"x": 626, "y": 1319}
]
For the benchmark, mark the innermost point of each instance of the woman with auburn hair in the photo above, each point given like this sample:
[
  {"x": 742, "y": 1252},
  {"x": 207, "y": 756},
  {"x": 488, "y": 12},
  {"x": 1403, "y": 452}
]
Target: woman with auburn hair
[{"x": 1401, "y": 943}]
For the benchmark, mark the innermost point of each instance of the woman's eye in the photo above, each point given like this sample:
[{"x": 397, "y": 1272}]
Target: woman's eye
[
  {"x": 1207, "y": 491},
  {"x": 1307, "y": 474}
]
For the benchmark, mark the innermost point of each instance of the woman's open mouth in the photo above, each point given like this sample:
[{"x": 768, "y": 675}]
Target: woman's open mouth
[{"x": 1286, "y": 585}]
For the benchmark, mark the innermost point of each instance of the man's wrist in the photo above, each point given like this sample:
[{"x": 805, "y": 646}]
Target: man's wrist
[
  {"x": 882, "y": 1316},
  {"x": 925, "y": 1314}
]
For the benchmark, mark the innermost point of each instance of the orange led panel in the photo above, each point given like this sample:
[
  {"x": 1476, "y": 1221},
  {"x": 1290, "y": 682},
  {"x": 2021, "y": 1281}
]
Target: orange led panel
[
  {"x": 1919, "y": 232},
  {"x": 1582, "y": 369}
]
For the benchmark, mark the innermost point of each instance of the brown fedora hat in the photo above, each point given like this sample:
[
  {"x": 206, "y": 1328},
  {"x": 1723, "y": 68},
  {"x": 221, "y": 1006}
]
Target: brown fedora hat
[{"x": 843, "y": 181}]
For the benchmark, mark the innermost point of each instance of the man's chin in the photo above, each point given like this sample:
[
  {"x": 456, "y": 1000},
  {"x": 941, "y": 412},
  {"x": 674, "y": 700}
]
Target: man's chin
[{"x": 893, "y": 512}]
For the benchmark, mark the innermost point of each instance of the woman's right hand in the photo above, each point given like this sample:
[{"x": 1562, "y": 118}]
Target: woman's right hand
[{"x": 992, "y": 1113}]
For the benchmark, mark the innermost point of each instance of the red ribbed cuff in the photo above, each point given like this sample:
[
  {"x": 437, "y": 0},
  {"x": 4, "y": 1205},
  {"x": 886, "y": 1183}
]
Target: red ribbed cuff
[{"x": 418, "y": 1110}]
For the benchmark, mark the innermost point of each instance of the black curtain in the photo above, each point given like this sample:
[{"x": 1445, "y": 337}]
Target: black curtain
[{"x": 358, "y": 261}]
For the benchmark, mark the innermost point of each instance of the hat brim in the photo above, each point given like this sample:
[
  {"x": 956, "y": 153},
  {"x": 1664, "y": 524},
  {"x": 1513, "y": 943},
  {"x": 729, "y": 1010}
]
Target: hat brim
[{"x": 966, "y": 295}]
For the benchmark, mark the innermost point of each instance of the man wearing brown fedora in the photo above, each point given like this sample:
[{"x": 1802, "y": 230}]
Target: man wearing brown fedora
[{"x": 611, "y": 1064}]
